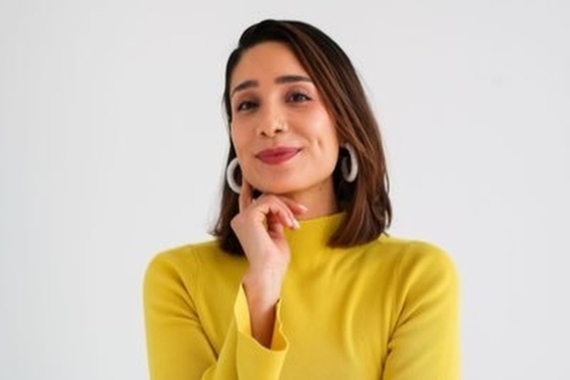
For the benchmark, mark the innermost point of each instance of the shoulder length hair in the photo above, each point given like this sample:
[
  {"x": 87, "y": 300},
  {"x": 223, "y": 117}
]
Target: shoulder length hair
[{"x": 365, "y": 201}]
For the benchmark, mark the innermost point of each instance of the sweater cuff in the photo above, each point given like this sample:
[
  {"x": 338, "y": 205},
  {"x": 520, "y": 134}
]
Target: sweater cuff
[{"x": 253, "y": 360}]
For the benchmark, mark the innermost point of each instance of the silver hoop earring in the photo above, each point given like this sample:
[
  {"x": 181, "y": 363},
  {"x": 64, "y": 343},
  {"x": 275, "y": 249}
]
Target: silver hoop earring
[
  {"x": 349, "y": 176},
  {"x": 230, "y": 178}
]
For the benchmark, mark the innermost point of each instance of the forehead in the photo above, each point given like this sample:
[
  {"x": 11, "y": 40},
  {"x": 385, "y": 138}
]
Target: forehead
[{"x": 266, "y": 61}]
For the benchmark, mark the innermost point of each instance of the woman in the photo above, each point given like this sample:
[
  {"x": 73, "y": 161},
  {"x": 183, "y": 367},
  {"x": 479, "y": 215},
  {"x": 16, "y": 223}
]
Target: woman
[{"x": 302, "y": 281}]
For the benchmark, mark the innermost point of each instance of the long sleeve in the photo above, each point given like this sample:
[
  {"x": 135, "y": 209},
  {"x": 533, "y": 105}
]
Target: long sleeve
[
  {"x": 386, "y": 310},
  {"x": 178, "y": 345},
  {"x": 425, "y": 343}
]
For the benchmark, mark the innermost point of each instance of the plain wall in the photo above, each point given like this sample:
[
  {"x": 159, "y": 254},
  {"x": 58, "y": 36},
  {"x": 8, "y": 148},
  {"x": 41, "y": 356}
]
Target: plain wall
[{"x": 113, "y": 141}]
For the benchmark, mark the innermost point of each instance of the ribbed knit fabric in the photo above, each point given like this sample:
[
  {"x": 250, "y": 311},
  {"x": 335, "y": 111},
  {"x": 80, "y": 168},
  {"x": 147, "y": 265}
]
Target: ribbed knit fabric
[{"x": 384, "y": 310}]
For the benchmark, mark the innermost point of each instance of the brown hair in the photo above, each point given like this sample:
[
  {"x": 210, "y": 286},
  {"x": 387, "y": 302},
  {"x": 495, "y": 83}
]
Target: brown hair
[{"x": 365, "y": 201}]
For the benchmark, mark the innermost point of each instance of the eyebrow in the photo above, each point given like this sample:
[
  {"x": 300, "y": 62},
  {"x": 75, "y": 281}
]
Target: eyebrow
[{"x": 279, "y": 80}]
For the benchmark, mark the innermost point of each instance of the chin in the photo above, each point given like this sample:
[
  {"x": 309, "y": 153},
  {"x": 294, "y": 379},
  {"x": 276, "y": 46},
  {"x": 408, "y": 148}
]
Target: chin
[{"x": 277, "y": 188}]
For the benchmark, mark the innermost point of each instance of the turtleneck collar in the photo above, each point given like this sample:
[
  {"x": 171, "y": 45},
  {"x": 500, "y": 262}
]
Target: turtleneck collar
[{"x": 313, "y": 235}]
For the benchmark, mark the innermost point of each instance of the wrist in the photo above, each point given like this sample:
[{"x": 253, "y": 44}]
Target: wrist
[{"x": 262, "y": 288}]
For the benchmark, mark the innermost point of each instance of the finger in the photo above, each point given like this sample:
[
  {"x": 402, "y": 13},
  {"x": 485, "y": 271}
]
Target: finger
[
  {"x": 295, "y": 207},
  {"x": 283, "y": 213},
  {"x": 274, "y": 226},
  {"x": 272, "y": 209},
  {"x": 271, "y": 205},
  {"x": 245, "y": 196}
]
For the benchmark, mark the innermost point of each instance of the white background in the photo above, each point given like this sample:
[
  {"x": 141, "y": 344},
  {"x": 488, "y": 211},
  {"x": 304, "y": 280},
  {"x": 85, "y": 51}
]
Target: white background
[{"x": 113, "y": 140}]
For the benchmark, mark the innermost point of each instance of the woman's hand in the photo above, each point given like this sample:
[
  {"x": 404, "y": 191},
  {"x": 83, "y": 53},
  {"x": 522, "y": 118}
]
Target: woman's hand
[{"x": 259, "y": 228}]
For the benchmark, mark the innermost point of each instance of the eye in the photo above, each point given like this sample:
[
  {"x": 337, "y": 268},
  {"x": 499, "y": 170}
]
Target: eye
[
  {"x": 245, "y": 105},
  {"x": 298, "y": 97}
]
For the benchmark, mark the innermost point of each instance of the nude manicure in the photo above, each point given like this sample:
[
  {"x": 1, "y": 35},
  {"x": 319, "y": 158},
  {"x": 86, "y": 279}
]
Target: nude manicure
[{"x": 295, "y": 223}]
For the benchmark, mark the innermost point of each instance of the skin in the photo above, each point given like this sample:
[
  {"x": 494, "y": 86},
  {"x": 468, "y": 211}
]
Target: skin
[{"x": 275, "y": 104}]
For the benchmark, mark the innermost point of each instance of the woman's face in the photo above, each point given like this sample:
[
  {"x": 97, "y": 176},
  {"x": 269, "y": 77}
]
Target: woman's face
[{"x": 285, "y": 139}]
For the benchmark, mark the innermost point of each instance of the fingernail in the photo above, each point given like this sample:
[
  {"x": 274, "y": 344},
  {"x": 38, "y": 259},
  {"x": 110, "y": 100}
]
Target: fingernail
[
  {"x": 303, "y": 206},
  {"x": 295, "y": 223}
]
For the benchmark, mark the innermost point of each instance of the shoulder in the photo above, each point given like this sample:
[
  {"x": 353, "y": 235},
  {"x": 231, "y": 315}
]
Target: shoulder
[
  {"x": 185, "y": 263},
  {"x": 180, "y": 261},
  {"x": 406, "y": 249},
  {"x": 413, "y": 251},
  {"x": 182, "y": 254},
  {"x": 424, "y": 267},
  {"x": 405, "y": 259},
  {"x": 416, "y": 260}
]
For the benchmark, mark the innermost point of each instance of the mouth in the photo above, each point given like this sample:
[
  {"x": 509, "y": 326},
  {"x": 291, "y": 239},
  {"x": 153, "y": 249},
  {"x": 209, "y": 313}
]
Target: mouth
[{"x": 276, "y": 156}]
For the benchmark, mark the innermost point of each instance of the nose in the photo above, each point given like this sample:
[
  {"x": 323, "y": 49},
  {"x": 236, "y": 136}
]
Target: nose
[{"x": 272, "y": 121}]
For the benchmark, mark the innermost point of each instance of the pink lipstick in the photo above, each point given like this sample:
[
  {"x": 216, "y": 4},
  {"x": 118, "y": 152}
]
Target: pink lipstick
[{"x": 276, "y": 156}]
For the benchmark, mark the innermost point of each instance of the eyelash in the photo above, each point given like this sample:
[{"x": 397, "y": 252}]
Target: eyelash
[
  {"x": 245, "y": 105},
  {"x": 296, "y": 94},
  {"x": 293, "y": 97}
]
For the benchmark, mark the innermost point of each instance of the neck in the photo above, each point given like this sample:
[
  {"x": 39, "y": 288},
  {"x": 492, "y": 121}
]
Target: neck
[
  {"x": 310, "y": 241},
  {"x": 320, "y": 200}
]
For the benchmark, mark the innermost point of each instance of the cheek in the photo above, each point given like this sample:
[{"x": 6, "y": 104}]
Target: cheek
[
  {"x": 330, "y": 143},
  {"x": 324, "y": 129},
  {"x": 238, "y": 138},
  {"x": 322, "y": 120}
]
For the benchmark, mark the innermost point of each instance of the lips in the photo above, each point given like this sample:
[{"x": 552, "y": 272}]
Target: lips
[{"x": 276, "y": 156}]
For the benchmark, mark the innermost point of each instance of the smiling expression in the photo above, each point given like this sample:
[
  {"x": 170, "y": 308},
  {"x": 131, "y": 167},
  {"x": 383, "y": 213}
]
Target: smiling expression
[{"x": 285, "y": 138}]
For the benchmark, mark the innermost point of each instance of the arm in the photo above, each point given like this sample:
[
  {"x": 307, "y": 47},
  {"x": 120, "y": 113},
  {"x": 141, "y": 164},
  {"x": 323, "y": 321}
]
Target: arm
[
  {"x": 259, "y": 227},
  {"x": 179, "y": 349},
  {"x": 254, "y": 348},
  {"x": 424, "y": 343}
]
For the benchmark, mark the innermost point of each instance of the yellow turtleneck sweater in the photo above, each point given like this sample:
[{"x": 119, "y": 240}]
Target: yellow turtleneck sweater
[{"x": 386, "y": 310}]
